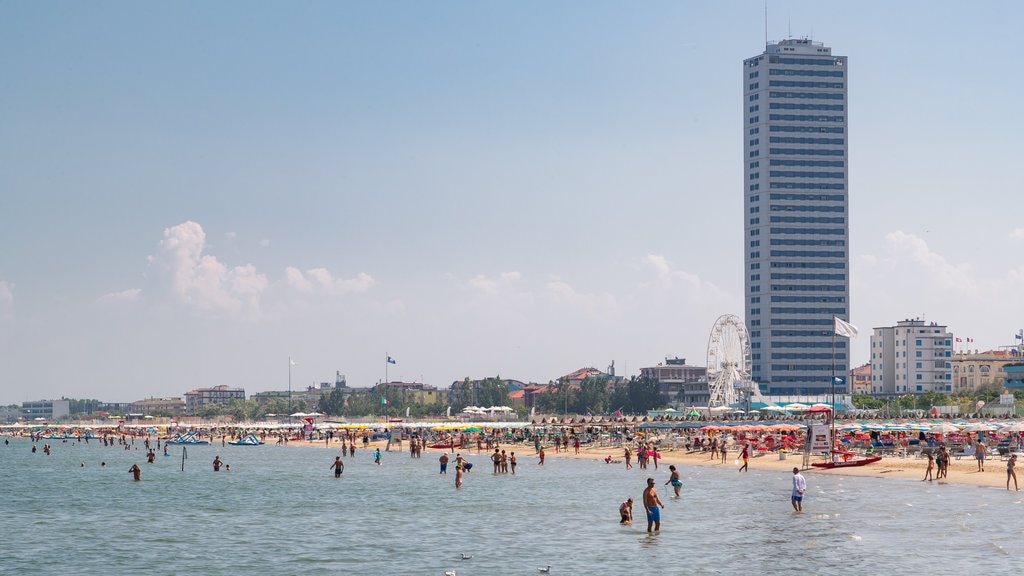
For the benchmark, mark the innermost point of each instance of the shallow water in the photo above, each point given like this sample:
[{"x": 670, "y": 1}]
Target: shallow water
[{"x": 281, "y": 511}]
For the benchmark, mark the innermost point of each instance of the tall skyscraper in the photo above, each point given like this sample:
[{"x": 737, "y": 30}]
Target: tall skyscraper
[{"x": 795, "y": 213}]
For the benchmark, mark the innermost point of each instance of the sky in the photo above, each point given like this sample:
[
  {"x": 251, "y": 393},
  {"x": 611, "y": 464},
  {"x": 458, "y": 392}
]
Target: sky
[{"x": 193, "y": 193}]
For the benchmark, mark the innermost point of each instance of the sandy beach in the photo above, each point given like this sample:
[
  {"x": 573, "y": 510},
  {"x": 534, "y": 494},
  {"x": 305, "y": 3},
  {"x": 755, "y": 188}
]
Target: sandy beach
[{"x": 962, "y": 471}]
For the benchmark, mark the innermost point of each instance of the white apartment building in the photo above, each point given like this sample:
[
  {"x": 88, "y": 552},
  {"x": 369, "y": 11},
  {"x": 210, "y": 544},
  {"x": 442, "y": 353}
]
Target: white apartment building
[{"x": 911, "y": 357}]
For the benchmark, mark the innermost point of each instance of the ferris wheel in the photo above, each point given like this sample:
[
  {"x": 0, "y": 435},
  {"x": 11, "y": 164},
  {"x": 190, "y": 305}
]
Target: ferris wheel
[{"x": 728, "y": 361}]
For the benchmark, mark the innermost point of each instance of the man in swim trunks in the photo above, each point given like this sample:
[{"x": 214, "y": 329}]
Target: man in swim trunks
[
  {"x": 443, "y": 460},
  {"x": 651, "y": 504},
  {"x": 674, "y": 480},
  {"x": 979, "y": 455},
  {"x": 338, "y": 466},
  {"x": 799, "y": 487}
]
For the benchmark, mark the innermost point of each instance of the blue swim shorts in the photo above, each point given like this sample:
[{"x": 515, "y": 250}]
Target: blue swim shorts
[{"x": 653, "y": 514}]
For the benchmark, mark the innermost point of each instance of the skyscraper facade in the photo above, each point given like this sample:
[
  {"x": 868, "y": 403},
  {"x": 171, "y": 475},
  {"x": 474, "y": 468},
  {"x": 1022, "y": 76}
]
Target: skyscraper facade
[{"x": 795, "y": 213}]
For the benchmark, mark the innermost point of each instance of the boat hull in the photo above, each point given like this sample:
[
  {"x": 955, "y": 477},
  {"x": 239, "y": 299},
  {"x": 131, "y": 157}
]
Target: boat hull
[{"x": 848, "y": 463}]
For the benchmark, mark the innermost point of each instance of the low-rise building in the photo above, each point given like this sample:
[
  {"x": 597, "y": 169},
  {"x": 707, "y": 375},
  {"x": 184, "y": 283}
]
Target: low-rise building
[
  {"x": 199, "y": 399},
  {"x": 48, "y": 410},
  {"x": 681, "y": 383},
  {"x": 150, "y": 406},
  {"x": 972, "y": 370}
]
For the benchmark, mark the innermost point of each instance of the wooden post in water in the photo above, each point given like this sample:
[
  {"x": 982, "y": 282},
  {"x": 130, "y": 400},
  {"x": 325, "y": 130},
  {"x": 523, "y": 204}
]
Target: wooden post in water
[{"x": 184, "y": 455}]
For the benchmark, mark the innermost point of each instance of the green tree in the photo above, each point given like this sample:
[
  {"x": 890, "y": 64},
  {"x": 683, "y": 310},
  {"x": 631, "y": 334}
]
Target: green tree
[{"x": 593, "y": 395}]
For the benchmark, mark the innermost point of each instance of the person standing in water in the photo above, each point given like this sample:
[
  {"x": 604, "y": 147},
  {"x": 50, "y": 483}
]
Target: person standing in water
[
  {"x": 626, "y": 512},
  {"x": 651, "y": 504},
  {"x": 674, "y": 480},
  {"x": 338, "y": 466},
  {"x": 136, "y": 472},
  {"x": 799, "y": 487}
]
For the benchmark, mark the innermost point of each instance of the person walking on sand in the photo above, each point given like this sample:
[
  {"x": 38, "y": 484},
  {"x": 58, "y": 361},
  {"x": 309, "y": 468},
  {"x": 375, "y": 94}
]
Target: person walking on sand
[
  {"x": 651, "y": 504},
  {"x": 338, "y": 466},
  {"x": 674, "y": 480},
  {"x": 626, "y": 512},
  {"x": 979, "y": 455},
  {"x": 745, "y": 455},
  {"x": 931, "y": 465},
  {"x": 799, "y": 487},
  {"x": 1011, "y": 473}
]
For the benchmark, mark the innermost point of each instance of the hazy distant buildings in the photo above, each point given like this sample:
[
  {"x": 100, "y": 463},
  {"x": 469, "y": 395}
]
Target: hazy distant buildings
[
  {"x": 911, "y": 358},
  {"x": 795, "y": 210},
  {"x": 681, "y": 383},
  {"x": 45, "y": 410},
  {"x": 198, "y": 400}
]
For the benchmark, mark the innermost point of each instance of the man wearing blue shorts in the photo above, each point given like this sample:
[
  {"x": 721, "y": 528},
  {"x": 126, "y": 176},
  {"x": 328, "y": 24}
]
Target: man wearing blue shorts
[
  {"x": 651, "y": 504},
  {"x": 799, "y": 487}
]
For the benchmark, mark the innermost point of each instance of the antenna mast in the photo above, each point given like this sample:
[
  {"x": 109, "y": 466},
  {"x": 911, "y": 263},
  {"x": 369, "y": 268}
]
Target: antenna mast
[{"x": 766, "y": 23}]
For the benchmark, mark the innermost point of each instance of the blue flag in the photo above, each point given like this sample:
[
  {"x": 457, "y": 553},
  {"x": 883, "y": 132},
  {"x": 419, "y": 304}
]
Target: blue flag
[{"x": 391, "y": 360}]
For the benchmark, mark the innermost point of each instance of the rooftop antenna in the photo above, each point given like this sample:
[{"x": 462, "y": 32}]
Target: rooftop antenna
[
  {"x": 766, "y": 23},
  {"x": 789, "y": 25}
]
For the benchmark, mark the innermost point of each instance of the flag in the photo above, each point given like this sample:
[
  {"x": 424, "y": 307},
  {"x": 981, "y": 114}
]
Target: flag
[
  {"x": 838, "y": 381},
  {"x": 843, "y": 328},
  {"x": 959, "y": 340},
  {"x": 383, "y": 401},
  {"x": 970, "y": 339},
  {"x": 391, "y": 360},
  {"x": 1019, "y": 335},
  {"x": 292, "y": 362}
]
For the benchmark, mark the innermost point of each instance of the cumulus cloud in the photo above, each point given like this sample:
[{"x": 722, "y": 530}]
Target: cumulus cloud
[
  {"x": 130, "y": 295},
  {"x": 910, "y": 253},
  {"x": 6, "y": 300},
  {"x": 321, "y": 280},
  {"x": 669, "y": 278},
  {"x": 493, "y": 285},
  {"x": 200, "y": 280}
]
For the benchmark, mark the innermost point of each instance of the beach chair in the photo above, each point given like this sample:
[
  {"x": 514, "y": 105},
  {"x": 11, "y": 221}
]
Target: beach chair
[{"x": 967, "y": 451}]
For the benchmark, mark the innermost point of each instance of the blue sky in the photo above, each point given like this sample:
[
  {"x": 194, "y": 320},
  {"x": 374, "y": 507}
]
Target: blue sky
[{"x": 192, "y": 193}]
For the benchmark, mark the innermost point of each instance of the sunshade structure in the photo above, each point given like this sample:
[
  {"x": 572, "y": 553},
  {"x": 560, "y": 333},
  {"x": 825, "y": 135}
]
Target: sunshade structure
[{"x": 944, "y": 428}]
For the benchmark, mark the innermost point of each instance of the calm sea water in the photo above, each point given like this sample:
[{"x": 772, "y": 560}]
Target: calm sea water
[{"x": 281, "y": 511}]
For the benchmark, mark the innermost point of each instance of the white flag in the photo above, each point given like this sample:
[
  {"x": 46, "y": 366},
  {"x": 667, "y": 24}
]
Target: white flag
[
  {"x": 293, "y": 362},
  {"x": 844, "y": 328}
]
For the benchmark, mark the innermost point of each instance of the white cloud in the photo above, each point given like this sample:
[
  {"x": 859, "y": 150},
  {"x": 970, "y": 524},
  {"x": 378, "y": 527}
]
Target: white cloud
[
  {"x": 321, "y": 280},
  {"x": 130, "y": 295},
  {"x": 910, "y": 254},
  {"x": 6, "y": 300},
  {"x": 200, "y": 280},
  {"x": 493, "y": 286}
]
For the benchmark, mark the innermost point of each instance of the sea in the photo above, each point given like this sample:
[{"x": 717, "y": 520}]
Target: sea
[{"x": 280, "y": 511}]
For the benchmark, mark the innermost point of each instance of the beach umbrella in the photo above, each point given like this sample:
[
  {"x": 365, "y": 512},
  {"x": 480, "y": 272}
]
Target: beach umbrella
[
  {"x": 980, "y": 428},
  {"x": 944, "y": 428},
  {"x": 1015, "y": 427},
  {"x": 796, "y": 407}
]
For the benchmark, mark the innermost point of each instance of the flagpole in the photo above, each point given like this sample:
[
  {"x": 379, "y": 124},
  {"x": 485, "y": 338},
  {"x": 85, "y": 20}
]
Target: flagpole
[
  {"x": 289, "y": 389},
  {"x": 833, "y": 414}
]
